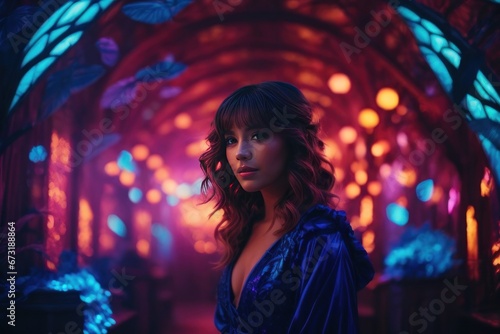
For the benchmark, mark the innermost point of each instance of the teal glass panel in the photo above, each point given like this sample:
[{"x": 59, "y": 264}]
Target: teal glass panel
[
  {"x": 488, "y": 87},
  {"x": 117, "y": 225},
  {"x": 58, "y": 32},
  {"x": 424, "y": 190},
  {"x": 105, "y": 3},
  {"x": 451, "y": 56},
  {"x": 89, "y": 14},
  {"x": 74, "y": 11},
  {"x": 438, "y": 42},
  {"x": 30, "y": 77},
  {"x": 35, "y": 50},
  {"x": 48, "y": 24},
  {"x": 431, "y": 27},
  {"x": 397, "y": 214},
  {"x": 480, "y": 90},
  {"x": 66, "y": 43},
  {"x": 475, "y": 107},
  {"x": 439, "y": 68},
  {"x": 492, "y": 113},
  {"x": 421, "y": 34},
  {"x": 408, "y": 14}
]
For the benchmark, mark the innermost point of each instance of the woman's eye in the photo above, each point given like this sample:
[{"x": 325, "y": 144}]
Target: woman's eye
[
  {"x": 260, "y": 135},
  {"x": 228, "y": 140}
]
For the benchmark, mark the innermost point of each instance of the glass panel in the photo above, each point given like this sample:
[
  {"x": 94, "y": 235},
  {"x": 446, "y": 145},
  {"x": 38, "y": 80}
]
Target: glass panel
[
  {"x": 35, "y": 50},
  {"x": 475, "y": 107},
  {"x": 66, "y": 43},
  {"x": 74, "y": 12},
  {"x": 451, "y": 56}
]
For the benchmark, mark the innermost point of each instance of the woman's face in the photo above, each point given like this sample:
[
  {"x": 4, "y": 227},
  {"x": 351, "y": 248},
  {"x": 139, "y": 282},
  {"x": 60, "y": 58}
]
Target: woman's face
[{"x": 259, "y": 149}]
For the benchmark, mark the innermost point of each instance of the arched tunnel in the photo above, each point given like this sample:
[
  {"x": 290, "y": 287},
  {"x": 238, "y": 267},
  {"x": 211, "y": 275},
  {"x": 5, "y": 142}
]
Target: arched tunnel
[{"x": 106, "y": 109}]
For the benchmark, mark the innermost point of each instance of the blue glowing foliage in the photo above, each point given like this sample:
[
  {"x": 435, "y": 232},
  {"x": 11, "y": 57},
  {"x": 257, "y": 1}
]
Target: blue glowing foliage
[
  {"x": 172, "y": 200},
  {"x": 424, "y": 190},
  {"x": 58, "y": 33},
  {"x": 154, "y": 12},
  {"x": 135, "y": 195},
  {"x": 123, "y": 92},
  {"x": 117, "y": 225},
  {"x": 109, "y": 50},
  {"x": 62, "y": 84},
  {"x": 442, "y": 55},
  {"x": 164, "y": 237},
  {"x": 421, "y": 253},
  {"x": 164, "y": 70},
  {"x": 38, "y": 153},
  {"x": 98, "y": 314},
  {"x": 126, "y": 161},
  {"x": 397, "y": 214}
]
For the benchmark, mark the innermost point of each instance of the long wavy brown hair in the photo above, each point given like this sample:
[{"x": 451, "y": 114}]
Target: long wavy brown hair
[{"x": 281, "y": 108}]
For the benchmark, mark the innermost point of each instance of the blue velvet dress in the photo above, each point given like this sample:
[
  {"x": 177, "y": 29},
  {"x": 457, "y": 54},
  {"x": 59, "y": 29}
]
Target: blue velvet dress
[{"x": 306, "y": 282}]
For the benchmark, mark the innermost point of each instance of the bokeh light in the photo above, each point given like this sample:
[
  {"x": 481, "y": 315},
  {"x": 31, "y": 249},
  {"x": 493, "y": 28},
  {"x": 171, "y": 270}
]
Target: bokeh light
[
  {"x": 140, "y": 152},
  {"x": 348, "y": 134},
  {"x": 368, "y": 118},
  {"x": 154, "y": 161},
  {"x": 339, "y": 83},
  {"x": 387, "y": 98}
]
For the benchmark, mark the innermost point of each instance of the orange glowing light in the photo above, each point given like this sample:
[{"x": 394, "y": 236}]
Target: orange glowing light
[
  {"x": 339, "y": 83},
  {"x": 154, "y": 161},
  {"x": 85, "y": 217},
  {"x": 366, "y": 211},
  {"x": 374, "y": 188},
  {"x": 368, "y": 240},
  {"x": 368, "y": 118},
  {"x": 339, "y": 174},
  {"x": 406, "y": 177},
  {"x": 472, "y": 246},
  {"x": 140, "y": 152},
  {"x": 111, "y": 168},
  {"x": 348, "y": 135},
  {"x": 361, "y": 177},
  {"x": 380, "y": 148},
  {"x": 183, "y": 121},
  {"x": 352, "y": 190},
  {"x": 161, "y": 174},
  {"x": 142, "y": 247},
  {"x": 387, "y": 98},
  {"x": 169, "y": 186},
  {"x": 153, "y": 196},
  {"x": 127, "y": 178},
  {"x": 199, "y": 246}
]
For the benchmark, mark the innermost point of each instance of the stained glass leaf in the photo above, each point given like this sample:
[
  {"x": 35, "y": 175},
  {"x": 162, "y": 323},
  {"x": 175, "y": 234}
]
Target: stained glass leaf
[
  {"x": 108, "y": 50},
  {"x": 154, "y": 12},
  {"x": 167, "y": 69},
  {"x": 122, "y": 92}
]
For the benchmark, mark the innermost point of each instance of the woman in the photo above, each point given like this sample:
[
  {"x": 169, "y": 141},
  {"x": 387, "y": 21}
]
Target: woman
[{"x": 291, "y": 262}]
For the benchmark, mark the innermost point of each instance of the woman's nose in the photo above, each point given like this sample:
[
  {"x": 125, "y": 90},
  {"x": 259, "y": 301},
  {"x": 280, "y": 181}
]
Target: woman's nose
[{"x": 243, "y": 152}]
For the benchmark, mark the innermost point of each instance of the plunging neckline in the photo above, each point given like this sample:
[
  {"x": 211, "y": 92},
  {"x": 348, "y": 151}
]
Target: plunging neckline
[
  {"x": 231, "y": 293},
  {"x": 243, "y": 286}
]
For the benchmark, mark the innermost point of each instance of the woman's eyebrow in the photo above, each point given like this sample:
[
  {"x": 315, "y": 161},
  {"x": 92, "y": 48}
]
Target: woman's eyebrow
[{"x": 230, "y": 132}]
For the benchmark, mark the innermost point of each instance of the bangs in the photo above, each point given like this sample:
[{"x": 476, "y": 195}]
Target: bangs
[{"x": 246, "y": 108}]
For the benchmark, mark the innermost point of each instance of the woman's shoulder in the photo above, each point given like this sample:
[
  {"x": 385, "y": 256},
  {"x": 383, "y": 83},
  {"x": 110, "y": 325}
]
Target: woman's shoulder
[{"x": 322, "y": 219}]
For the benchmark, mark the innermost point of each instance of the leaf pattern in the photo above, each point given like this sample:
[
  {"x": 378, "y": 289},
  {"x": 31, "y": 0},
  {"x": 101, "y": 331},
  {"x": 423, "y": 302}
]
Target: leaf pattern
[{"x": 154, "y": 12}]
